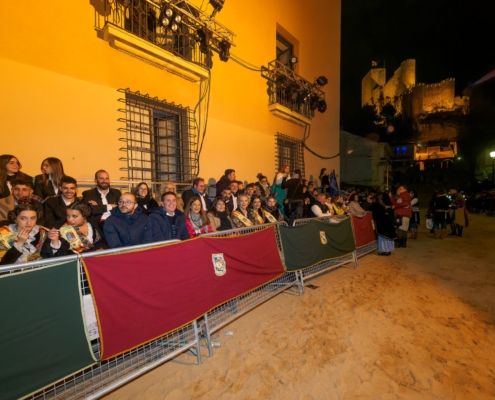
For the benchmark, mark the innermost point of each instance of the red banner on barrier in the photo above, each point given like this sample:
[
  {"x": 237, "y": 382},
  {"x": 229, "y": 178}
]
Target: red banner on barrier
[
  {"x": 142, "y": 295},
  {"x": 363, "y": 230}
]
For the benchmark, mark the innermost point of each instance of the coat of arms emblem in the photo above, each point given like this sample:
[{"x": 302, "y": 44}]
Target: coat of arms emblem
[
  {"x": 323, "y": 237},
  {"x": 219, "y": 264}
]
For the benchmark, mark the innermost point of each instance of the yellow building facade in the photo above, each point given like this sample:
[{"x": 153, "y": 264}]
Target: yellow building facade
[{"x": 60, "y": 80}]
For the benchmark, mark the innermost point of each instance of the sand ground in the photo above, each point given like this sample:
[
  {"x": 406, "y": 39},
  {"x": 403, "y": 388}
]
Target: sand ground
[{"x": 419, "y": 324}]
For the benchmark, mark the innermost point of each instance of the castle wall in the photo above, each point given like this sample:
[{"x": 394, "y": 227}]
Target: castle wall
[{"x": 439, "y": 96}]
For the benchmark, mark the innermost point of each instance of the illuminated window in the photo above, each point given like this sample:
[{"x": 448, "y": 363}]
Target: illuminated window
[
  {"x": 397, "y": 151},
  {"x": 290, "y": 152},
  {"x": 404, "y": 150}
]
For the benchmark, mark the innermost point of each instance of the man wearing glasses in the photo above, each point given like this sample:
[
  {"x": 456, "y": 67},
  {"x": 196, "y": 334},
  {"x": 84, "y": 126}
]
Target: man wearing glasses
[{"x": 127, "y": 225}]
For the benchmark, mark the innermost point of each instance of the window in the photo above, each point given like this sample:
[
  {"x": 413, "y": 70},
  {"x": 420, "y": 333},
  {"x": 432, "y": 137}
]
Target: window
[
  {"x": 397, "y": 151},
  {"x": 404, "y": 150},
  {"x": 160, "y": 140},
  {"x": 285, "y": 51},
  {"x": 290, "y": 152}
]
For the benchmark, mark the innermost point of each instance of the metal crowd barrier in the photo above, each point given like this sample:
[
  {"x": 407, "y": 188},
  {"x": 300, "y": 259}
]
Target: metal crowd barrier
[
  {"x": 105, "y": 376},
  {"x": 328, "y": 265},
  {"x": 224, "y": 314}
]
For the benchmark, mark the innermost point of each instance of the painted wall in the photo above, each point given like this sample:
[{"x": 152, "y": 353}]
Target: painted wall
[{"x": 60, "y": 81}]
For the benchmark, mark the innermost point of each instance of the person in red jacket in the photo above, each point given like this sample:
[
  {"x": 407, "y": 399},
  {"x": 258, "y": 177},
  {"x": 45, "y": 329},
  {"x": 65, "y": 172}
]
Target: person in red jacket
[{"x": 402, "y": 209}]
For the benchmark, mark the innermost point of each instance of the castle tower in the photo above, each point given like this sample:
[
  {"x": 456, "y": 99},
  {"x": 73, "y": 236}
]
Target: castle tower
[
  {"x": 408, "y": 74},
  {"x": 373, "y": 79}
]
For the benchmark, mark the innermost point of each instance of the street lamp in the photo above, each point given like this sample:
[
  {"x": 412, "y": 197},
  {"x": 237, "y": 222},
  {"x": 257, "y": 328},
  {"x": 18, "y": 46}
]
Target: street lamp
[{"x": 492, "y": 155}]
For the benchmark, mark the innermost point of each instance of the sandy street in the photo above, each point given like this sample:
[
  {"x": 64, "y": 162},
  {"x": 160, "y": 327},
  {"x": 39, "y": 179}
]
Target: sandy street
[{"x": 417, "y": 325}]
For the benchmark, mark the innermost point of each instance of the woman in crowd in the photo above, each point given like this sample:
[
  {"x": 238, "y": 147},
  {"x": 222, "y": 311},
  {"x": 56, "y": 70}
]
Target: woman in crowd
[
  {"x": 263, "y": 188},
  {"x": 280, "y": 193},
  {"x": 242, "y": 216},
  {"x": 271, "y": 210},
  {"x": 384, "y": 227},
  {"x": 10, "y": 169},
  {"x": 47, "y": 184},
  {"x": 196, "y": 220},
  {"x": 354, "y": 206},
  {"x": 144, "y": 199},
  {"x": 440, "y": 214},
  {"x": 22, "y": 239},
  {"x": 414, "y": 224},
  {"x": 219, "y": 216},
  {"x": 76, "y": 236},
  {"x": 258, "y": 213},
  {"x": 337, "y": 205},
  {"x": 324, "y": 180},
  {"x": 170, "y": 187}
]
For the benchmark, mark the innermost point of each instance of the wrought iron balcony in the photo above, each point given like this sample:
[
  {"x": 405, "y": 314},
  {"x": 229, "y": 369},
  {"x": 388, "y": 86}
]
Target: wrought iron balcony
[
  {"x": 292, "y": 91},
  {"x": 179, "y": 31}
]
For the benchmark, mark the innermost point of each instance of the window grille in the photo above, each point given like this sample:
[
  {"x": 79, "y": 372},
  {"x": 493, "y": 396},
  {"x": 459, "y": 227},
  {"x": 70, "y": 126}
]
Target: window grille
[
  {"x": 160, "y": 141},
  {"x": 290, "y": 152}
]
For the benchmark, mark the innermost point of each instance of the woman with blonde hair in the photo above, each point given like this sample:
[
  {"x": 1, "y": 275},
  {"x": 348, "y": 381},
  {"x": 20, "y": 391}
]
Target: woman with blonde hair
[
  {"x": 47, "y": 184},
  {"x": 170, "y": 187},
  {"x": 242, "y": 216},
  {"x": 196, "y": 219}
]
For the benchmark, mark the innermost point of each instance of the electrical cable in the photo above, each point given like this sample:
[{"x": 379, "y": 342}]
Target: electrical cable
[
  {"x": 244, "y": 61},
  {"x": 244, "y": 65},
  {"x": 306, "y": 136}
]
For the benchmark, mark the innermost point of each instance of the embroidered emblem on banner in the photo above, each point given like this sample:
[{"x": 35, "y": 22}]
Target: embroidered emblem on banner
[
  {"x": 323, "y": 237},
  {"x": 219, "y": 264}
]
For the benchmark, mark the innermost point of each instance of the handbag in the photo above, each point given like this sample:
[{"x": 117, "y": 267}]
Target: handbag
[
  {"x": 429, "y": 223},
  {"x": 398, "y": 220}
]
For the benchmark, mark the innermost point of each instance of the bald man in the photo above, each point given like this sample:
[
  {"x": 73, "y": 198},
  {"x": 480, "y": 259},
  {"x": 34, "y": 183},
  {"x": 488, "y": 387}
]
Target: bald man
[{"x": 127, "y": 225}]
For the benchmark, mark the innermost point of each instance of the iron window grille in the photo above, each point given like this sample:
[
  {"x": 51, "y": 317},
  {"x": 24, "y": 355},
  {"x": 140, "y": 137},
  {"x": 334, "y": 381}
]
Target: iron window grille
[
  {"x": 290, "y": 152},
  {"x": 160, "y": 141}
]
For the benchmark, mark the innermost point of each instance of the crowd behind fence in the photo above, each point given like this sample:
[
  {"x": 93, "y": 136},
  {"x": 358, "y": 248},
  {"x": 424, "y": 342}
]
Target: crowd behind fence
[{"x": 107, "y": 375}]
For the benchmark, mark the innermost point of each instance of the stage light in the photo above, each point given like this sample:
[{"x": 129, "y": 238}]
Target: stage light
[
  {"x": 174, "y": 27},
  {"x": 178, "y": 18},
  {"x": 322, "y": 106},
  {"x": 217, "y": 6},
  {"x": 170, "y": 19},
  {"x": 224, "y": 52},
  {"x": 204, "y": 38},
  {"x": 314, "y": 102},
  {"x": 321, "y": 81},
  {"x": 294, "y": 60}
]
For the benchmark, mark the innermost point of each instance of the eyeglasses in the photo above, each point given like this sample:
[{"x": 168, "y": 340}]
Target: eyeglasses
[{"x": 127, "y": 203}]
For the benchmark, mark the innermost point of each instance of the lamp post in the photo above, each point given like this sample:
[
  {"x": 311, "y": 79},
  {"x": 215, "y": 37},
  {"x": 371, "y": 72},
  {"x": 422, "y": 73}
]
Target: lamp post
[{"x": 492, "y": 155}]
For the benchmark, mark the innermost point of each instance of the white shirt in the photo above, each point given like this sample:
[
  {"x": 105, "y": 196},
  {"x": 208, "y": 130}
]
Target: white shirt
[
  {"x": 104, "y": 200},
  {"x": 317, "y": 211}
]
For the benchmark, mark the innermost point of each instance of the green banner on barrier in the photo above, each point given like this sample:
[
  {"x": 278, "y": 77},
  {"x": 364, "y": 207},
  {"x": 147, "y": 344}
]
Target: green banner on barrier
[
  {"x": 42, "y": 333},
  {"x": 307, "y": 245}
]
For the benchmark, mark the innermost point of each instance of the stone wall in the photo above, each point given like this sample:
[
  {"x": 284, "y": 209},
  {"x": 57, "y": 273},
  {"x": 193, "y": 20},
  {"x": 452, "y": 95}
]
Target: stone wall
[{"x": 374, "y": 78}]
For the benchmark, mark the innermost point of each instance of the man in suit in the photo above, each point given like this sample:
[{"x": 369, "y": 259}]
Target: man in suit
[
  {"x": 102, "y": 199},
  {"x": 55, "y": 207},
  {"x": 198, "y": 189}
]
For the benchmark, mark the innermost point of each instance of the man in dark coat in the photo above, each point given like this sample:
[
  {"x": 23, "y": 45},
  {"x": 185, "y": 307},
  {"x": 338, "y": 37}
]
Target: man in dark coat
[
  {"x": 225, "y": 181},
  {"x": 295, "y": 194},
  {"x": 127, "y": 225},
  {"x": 55, "y": 207},
  {"x": 167, "y": 222},
  {"x": 197, "y": 189},
  {"x": 102, "y": 199},
  {"x": 22, "y": 189}
]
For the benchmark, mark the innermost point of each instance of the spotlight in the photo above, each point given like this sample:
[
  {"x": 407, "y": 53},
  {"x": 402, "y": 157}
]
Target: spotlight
[
  {"x": 217, "y": 6},
  {"x": 224, "y": 50},
  {"x": 322, "y": 106},
  {"x": 204, "y": 38},
  {"x": 294, "y": 60},
  {"x": 169, "y": 19},
  {"x": 321, "y": 81},
  {"x": 314, "y": 101}
]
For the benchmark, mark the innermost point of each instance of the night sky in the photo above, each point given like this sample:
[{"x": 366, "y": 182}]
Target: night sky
[{"x": 448, "y": 39}]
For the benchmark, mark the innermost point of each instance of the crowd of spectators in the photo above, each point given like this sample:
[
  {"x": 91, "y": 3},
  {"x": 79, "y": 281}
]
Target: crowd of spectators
[{"x": 46, "y": 217}]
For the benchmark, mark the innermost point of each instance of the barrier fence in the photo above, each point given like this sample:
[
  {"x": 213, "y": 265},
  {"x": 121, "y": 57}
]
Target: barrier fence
[{"x": 105, "y": 373}]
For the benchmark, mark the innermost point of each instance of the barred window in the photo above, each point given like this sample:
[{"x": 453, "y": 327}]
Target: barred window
[
  {"x": 290, "y": 152},
  {"x": 160, "y": 141}
]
